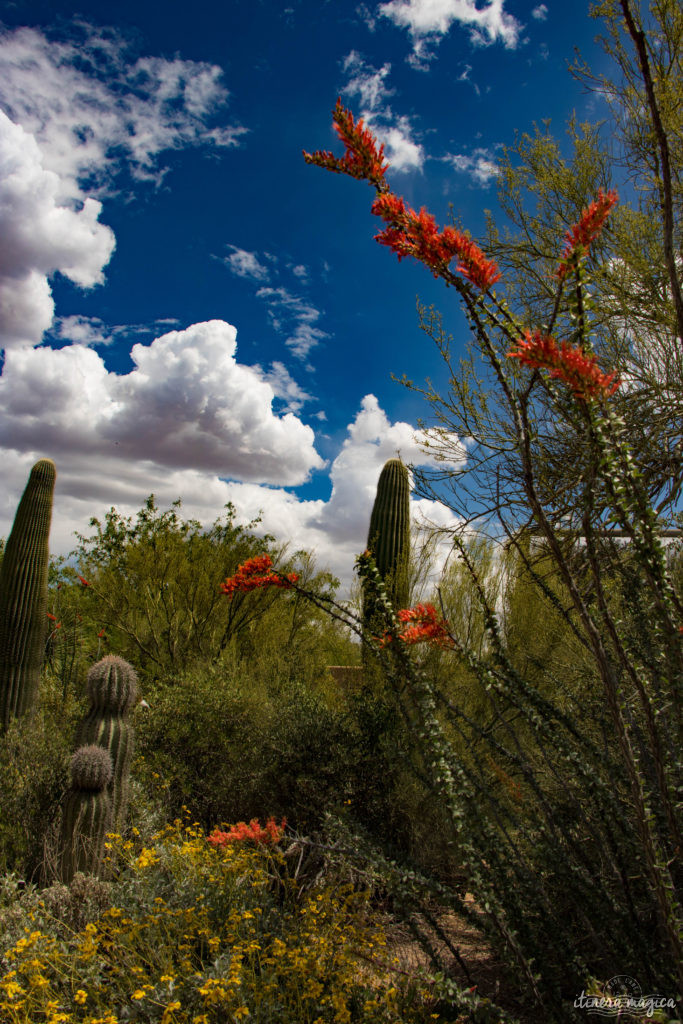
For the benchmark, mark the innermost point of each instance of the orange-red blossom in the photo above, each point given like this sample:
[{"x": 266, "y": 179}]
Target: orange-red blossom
[
  {"x": 422, "y": 623},
  {"x": 579, "y": 237},
  {"x": 566, "y": 362},
  {"x": 417, "y": 235},
  {"x": 270, "y": 833},
  {"x": 363, "y": 157},
  {"x": 408, "y": 233},
  {"x": 254, "y": 573}
]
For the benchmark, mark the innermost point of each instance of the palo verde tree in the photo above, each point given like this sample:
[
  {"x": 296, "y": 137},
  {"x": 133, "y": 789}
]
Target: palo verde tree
[{"x": 151, "y": 587}]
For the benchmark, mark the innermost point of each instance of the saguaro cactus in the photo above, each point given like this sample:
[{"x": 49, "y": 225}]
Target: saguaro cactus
[
  {"x": 389, "y": 533},
  {"x": 23, "y": 595},
  {"x": 112, "y": 690},
  {"x": 87, "y": 813}
]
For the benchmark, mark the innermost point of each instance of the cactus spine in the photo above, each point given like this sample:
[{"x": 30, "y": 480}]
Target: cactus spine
[
  {"x": 112, "y": 690},
  {"x": 23, "y": 595},
  {"x": 389, "y": 533},
  {"x": 87, "y": 813}
]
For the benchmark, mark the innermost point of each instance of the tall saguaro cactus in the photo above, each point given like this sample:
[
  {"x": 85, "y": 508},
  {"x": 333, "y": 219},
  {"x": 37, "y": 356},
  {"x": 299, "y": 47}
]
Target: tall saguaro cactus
[
  {"x": 23, "y": 595},
  {"x": 389, "y": 535},
  {"x": 112, "y": 690}
]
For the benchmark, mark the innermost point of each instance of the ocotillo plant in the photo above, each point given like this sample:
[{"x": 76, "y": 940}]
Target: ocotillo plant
[
  {"x": 87, "y": 813},
  {"x": 23, "y": 595},
  {"x": 112, "y": 690},
  {"x": 389, "y": 535}
]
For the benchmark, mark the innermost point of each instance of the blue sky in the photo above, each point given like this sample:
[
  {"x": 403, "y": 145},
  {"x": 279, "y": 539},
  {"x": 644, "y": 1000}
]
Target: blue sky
[{"x": 186, "y": 307}]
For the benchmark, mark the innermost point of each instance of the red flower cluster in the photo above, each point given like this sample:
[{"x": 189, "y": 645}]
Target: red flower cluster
[
  {"x": 363, "y": 158},
  {"x": 241, "y": 832},
  {"x": 254, "y": 573},
  {"x": 568, "y": 363},
  {"x": 425, "y": 624},
  {"x": 53, "y": 618},
  {"x": 416, "y": 234},
  {"x": 408, "y": 233},
  {"x": 83, "y": 582},
  {"x": 579, "y": 237}
]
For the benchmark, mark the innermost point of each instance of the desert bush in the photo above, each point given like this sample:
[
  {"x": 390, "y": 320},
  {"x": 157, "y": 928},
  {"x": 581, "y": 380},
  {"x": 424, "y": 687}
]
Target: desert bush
[
  {"x": 34, "y": 776},
  {"x": 228, "y": 746}
]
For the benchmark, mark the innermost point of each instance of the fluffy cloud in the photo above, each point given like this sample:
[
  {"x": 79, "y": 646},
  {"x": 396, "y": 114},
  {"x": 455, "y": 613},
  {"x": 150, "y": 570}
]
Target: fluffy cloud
[
  {"x": 92, "y": 478},
  {"x": 369, "y": 84},
  {"x": 92, "y": 106},
  {"x": 429, "y": 20},
  {"x": 40, "y": 236},
  {"x": 186, "y": 403},
  {"x": 65, "y": 133}
]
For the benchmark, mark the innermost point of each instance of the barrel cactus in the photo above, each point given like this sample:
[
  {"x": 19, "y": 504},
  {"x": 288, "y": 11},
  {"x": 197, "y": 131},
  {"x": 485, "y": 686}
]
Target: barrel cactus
[
  {"x": 389, "y": 535},
  {"x": 87, "y": 813},
  {"x": 23, "y": 595},
  {"x": 112, "y": 691}
]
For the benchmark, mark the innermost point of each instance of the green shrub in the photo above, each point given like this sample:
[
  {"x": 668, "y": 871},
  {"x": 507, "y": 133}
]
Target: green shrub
[
  {"x": 34, "y": 776},
  {"x": 228, "y": 747}
]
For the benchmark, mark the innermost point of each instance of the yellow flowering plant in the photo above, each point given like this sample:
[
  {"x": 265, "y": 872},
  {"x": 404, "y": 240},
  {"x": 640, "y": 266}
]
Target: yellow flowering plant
[{"x": 201, "y": 933}]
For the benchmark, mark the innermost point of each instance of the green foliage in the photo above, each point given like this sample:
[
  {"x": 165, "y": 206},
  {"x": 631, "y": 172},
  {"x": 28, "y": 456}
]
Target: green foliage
[
  {"x": 232, "y": 745},
  {"x": 34, "y": 770},
  {"x": 633, "y": 269},
  {"x": 153, "y": 586},
  {"x": 23, "y": 595}
]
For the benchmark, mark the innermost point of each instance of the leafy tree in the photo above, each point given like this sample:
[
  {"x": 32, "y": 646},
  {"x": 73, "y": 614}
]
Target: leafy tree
[{"x": 149, "y": 588}]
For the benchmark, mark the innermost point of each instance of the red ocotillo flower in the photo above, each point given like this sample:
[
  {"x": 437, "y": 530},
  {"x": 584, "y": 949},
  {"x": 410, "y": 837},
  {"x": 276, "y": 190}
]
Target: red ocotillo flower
[
  {"x": 270, "y": 833},
  {"x": 420, "y": 623},
  {"x": 417, "y": 235},
  {"x": 579, "y": 237},
  {"x": 407, "y": 233},
  {"x": 423, "y": 623},
  {"x": 363, "y": 157},
  {"x": 566, "y": 362},
  {"x": 255, "y": 573}
]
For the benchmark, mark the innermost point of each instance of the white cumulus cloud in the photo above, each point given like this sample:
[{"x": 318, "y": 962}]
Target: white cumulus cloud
[
  {"x": 480, "y": 166},
  {"x": 92, "y": 105},
  {"x": 40, "y": 235},
  {"x": 74, "y": 113},
  {"x": 429, "y": 20},
  {"x": 187, "y": 403},
  {"x": 295, "y": 317},
  {"x": 243, "y": 263}
]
